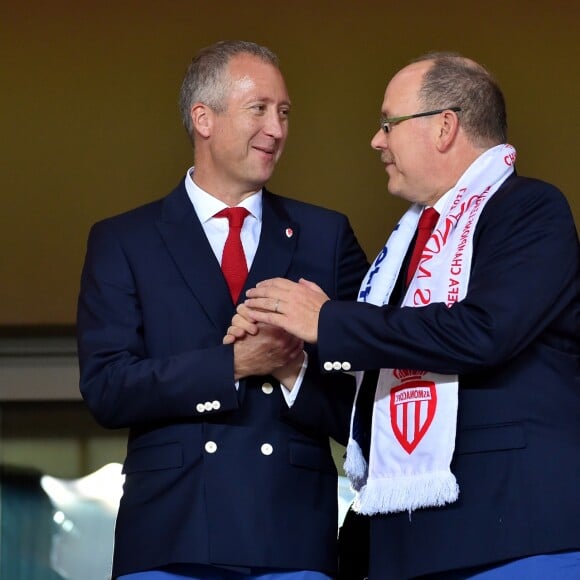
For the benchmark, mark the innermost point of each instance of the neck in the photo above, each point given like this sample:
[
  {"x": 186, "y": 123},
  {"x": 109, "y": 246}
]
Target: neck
[
  {"x": 457, "y": 163},
  {"x": 231, "y": 194}
]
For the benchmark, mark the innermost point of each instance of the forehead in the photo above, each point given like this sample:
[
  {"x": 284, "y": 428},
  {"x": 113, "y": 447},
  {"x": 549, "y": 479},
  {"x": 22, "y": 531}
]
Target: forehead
[
  {"x": 250, "y": 74},
  {"x": 402, "y": 91}
]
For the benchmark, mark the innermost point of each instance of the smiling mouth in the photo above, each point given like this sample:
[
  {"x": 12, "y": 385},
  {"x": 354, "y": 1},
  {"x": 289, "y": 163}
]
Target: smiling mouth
[{"x": 265, "y": 150}]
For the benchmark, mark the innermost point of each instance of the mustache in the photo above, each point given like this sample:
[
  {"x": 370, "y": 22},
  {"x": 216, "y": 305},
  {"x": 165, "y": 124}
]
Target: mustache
[{"x": 386, "y": 158}]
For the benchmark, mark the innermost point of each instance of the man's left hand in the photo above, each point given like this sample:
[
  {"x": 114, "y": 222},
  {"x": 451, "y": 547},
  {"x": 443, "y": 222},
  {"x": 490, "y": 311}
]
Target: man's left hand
[{"x": 295, "y": 307}]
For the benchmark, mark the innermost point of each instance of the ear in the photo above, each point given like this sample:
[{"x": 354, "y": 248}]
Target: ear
[
  {"x": 448, "y": 129},
  {"x": 201, "y": 117}
]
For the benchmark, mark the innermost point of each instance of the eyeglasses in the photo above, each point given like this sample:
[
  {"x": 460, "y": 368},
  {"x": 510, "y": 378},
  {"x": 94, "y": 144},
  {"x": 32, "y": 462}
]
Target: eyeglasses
[{"x": 386, "y": 124}]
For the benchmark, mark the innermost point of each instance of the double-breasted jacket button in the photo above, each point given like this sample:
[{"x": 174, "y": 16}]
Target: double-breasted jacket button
[
  {"x": 266, "y": 449},
  {"x": 211, "y": 446},
  {"x": 267, "y": 388}
]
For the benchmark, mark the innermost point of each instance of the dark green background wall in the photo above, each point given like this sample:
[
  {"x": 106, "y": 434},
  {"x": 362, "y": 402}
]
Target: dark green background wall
[{"x": 89, "y": 121}]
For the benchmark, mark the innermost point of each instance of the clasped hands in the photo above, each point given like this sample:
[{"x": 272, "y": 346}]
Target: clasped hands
[
  {"x": 292, "y": 306},
  {"x": 277, "y": 317}
]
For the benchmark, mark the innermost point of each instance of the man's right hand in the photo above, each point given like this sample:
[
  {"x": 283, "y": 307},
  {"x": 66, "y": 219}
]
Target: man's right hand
[
  {"x": 269, "y": 350},
  {"x": 242, "y": 325}
]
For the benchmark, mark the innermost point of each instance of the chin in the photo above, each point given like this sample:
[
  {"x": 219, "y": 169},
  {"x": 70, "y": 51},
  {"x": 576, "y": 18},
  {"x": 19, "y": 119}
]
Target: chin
[
  {"x": 264, "y": 176},
  {"x": 393, "y": 189},
  {"x": 255, "y": 182}
]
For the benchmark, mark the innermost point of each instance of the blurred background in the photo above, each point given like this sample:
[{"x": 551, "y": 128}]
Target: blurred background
[{"x": 90, "y": 127}]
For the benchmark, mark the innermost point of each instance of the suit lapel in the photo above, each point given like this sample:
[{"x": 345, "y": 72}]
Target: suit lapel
[
  {"x": 277, "y": 245},
  {"x": 188, "y": 246}
]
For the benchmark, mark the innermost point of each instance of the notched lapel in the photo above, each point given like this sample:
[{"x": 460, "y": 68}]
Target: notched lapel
[
  {"x": 189, "y": 248},
  {"x": 277, "y": 246}
]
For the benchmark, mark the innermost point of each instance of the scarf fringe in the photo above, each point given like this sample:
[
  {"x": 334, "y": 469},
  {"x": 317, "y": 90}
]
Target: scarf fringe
[
  {"x": 355, "y": 466},
  {"x": 407, "y": 493}
]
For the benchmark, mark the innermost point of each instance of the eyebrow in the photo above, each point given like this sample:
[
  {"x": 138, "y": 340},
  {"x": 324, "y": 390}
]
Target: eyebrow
[{"x": 267, "y": 100}]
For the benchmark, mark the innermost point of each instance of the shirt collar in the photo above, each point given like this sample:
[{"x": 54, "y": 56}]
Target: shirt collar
[{"x": 206, "y": 205}]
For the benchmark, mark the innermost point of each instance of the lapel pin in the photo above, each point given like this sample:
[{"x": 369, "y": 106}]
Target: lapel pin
[{"x": 289, "y": 232}]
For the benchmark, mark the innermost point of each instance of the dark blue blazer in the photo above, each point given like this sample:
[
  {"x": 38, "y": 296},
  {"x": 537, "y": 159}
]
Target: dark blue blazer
[
  {"x": 214, "y": 475},
  {"x": 513, "y": 341}
]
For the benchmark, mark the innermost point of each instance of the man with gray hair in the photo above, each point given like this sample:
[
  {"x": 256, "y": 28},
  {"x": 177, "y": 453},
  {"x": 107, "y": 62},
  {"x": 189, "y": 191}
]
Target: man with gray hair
[
  {"x": 229, "y": 472},
  {"x": 465, "y": 439}
]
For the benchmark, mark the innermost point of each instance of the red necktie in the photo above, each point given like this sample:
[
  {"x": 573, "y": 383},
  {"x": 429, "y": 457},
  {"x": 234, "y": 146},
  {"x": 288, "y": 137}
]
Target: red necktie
[
  {"x": 427, "y": 222},
  {"x": 234, "y": 264}
]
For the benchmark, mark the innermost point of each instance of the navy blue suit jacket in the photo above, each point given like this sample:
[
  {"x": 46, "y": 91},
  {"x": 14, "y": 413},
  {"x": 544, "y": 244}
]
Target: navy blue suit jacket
[
  {"x": 513, "y": 341},
  {"x": 214, "y": 475}
]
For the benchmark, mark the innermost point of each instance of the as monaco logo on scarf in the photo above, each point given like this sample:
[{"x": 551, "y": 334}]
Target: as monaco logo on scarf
[{"x": 413, "y": 406}]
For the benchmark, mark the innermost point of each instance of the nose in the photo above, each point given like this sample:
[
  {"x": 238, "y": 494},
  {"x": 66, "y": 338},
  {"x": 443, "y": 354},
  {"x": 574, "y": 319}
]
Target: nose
[
  {"x": 379, "y": 141},
  {"x": 276, "y": 126}
]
